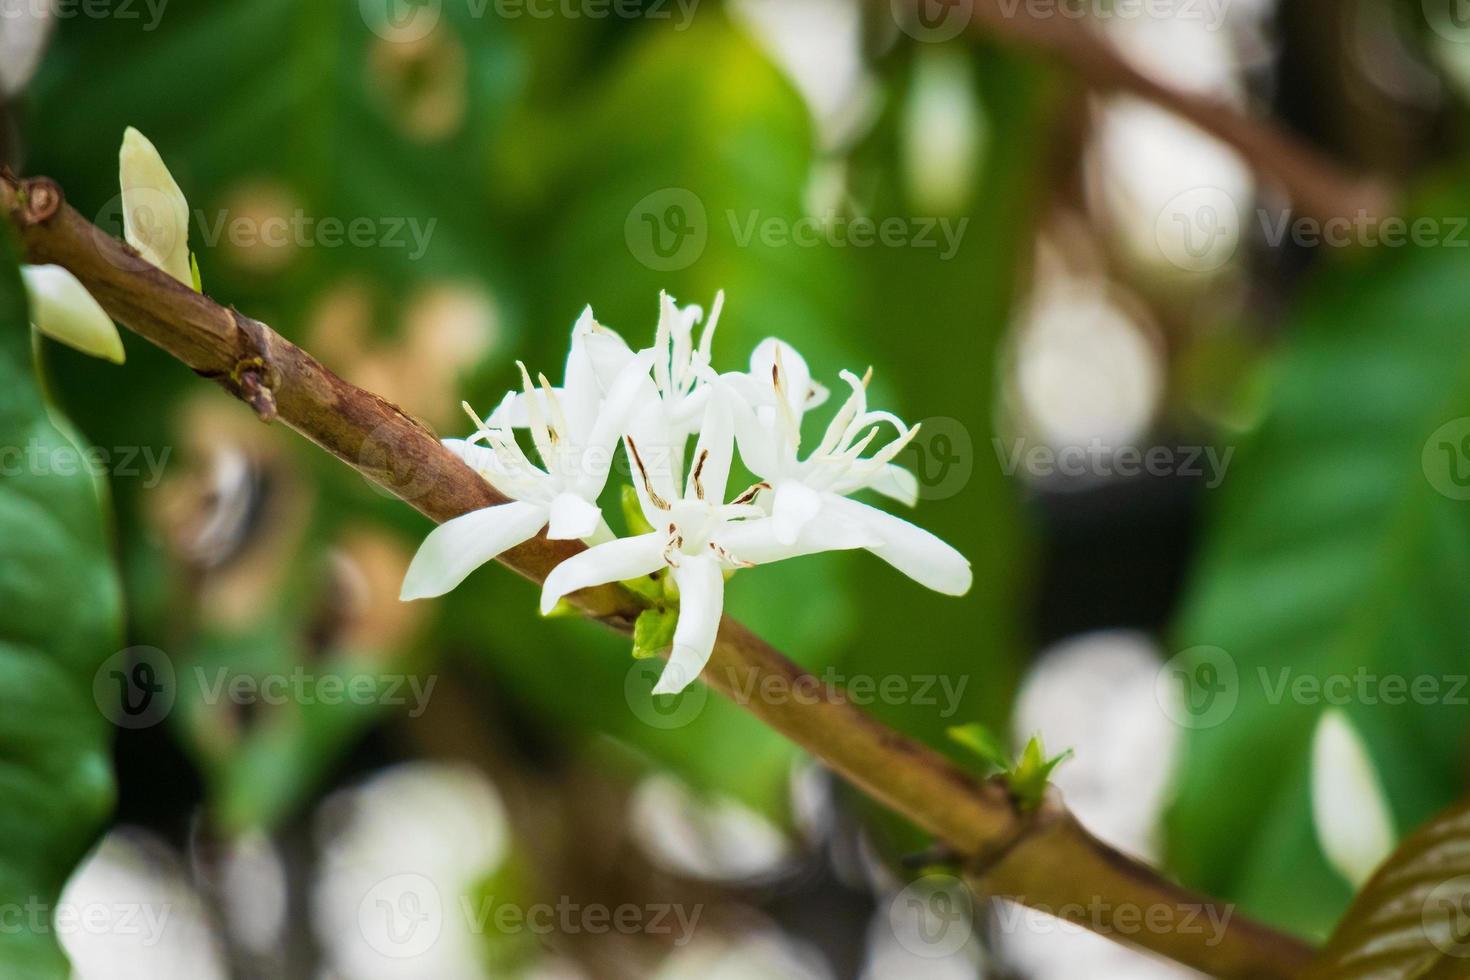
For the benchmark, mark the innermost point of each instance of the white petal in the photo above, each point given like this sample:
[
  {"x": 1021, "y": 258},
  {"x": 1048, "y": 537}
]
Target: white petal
[
  {"x": 714, "y": 451},
  {"x": 629, "y": 389},
  {"x": 701, "y": 602},
  {"x": 794, "y": 505},
  {"x": 909, "y": 548},
  {"x": 801, "y": 392},
  {"x": 758, "y": 542},
  {"x": 759, "y": 449},
  {"x": 655, "y": 460},
  {"x": 572, "y": 518},
  {"x": 518, "y": 481},
  {"x": 62, "y": 309},
  {"x": 581, "y": 390},
  {"x": 1349, "y": 810},
  {"x": 608, "y": 354},
  {"x": 155, "y": 212},
  {"x": 897, "y": 483},
  {"x": 615, "y": 561},
  {"x": 457, "y": 547}
]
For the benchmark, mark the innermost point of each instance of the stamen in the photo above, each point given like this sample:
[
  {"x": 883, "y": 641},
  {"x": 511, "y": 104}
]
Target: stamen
[
  {"x": 653, "y": 496},
  {"x": 558, "y": 416},
  {"x": 672, "y": 546},
  {"x": 699, "y": 469},
  {"x": 738, "y": 563},
  {"x": 751, "y": 493}
]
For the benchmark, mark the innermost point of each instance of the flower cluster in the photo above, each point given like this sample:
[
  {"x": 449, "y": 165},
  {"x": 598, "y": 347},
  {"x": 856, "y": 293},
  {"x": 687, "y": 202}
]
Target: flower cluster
[{"x": 654, "y": 402}]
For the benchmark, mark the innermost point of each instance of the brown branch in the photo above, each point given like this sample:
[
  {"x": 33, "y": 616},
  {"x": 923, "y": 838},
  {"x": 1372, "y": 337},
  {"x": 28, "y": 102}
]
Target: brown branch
[
  {"x": 1317, "y": 184},
  {"x": 1044, "y": 859}
]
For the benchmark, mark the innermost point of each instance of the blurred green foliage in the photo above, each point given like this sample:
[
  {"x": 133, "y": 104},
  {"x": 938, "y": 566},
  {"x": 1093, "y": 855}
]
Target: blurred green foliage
[{"x": 60, "y": 619}]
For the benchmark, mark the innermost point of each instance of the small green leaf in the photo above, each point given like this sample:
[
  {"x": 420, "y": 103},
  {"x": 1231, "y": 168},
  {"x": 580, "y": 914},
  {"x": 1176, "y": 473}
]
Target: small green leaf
[
  {"x": 983, "y": 742},
  {"x": 563, "y": 610},
  {"x": 653, "y": 632},
  {"x": 633, "y": 512},
  {"x": 194, "y": 271},
  {"x": 1032, "y": 772}
]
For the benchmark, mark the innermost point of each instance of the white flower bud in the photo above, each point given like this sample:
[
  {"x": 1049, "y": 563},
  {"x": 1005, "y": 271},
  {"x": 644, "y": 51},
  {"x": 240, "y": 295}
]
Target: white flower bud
[
  {"x": 62, "y": 309},
  {"x": 155, "y": 212}
]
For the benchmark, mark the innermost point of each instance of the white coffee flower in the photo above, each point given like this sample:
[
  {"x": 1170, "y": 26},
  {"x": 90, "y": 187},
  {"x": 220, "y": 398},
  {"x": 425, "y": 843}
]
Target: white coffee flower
[
  {"x": 575, "y": 429},
  {"x": 697, "y": 538},
  {"x": 654, "y": 401},
  {"x": 768, "y": 424}
]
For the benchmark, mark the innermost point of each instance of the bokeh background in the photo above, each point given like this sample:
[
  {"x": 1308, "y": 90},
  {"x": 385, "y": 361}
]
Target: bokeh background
[{"x": 1072, "y": 283}]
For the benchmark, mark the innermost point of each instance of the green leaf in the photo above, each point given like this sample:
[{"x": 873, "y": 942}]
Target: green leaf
[
  {"x": 59, "y": 620},
  {"x": 1411, "y": 919},
  {"x": 1029, "y": 777},
  {"x": 983, "y": 742},
  {"x": 1338, "y": 551},
  {"x": 653, "y": 632}
]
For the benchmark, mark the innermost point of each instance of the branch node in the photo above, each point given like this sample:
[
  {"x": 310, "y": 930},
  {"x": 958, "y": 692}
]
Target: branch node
[
  {"x": 251, "y": 377},
  {"x": 40, "y": 198}
]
